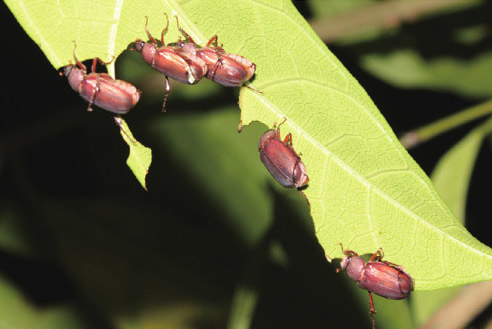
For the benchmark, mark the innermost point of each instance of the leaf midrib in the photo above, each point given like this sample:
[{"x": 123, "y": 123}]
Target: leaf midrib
[{"x": 371, "y": 187}]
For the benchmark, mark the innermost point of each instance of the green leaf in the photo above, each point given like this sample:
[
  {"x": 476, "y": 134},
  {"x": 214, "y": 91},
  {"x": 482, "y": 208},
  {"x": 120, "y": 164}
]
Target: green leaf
[
  {"x": 335, "y": 8},
  {"x": 408, "y": 69},
  {"x": 365, "y": 190},
  {"x": 140, "y": 156},
  {"x": 16, "y": 312},
  {"x": 242, "y": 309},
  {"x": 452, "y": 173}
]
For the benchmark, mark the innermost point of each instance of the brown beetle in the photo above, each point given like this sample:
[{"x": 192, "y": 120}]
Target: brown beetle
[
  {"x": 281, "y": 160},
  {"x": 229, "y": 70},
  {"x": 383, "y": 278},
  {"x": 179, "y": 62},
  {"x": 101, "y": 89}
]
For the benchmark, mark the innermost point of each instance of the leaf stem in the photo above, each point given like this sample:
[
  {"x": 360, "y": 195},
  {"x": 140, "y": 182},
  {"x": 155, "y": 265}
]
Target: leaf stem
[{"x": 423, "y": 134}]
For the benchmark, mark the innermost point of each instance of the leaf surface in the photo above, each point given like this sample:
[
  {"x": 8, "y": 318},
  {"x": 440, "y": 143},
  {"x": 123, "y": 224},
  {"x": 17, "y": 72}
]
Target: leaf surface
[{"x": 140, "y": 156}]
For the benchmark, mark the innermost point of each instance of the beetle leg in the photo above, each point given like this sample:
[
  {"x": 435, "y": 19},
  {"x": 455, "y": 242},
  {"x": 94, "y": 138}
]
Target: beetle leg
[
  {"x": 154, "y": 41},
  {"x": 216, "y": 66},
  {"x": 277, "y": 127},
  {"x": 79, "y": 63},
  {"x": 94, "y": 63},
  {"x": 213, "y": 40},
  {"x": 193, "y": 73},
  {"x": 400, "y": 267},
  {"x": 288, "y": 141},
  {"x": 349, "y": 253},
  {"x": 168, "y": 90},
  {"x": 94, "y": 95},
  {"x": 105, "y": 63},
  {"x": 283, "y": 121},
  {"x": 214, "y": 69},
  {"x": 97, "y": 59},
  {"x": 219, "y": 51},
  {"x": 372, "y": 310},
  {"x": 165, "y": 30},
  {"x": 381, "y": 253},
  {"x": 186, "y": 35},
  {"x": 341, "y": 246},
  {"x": 376, "y": 256},
  {"x": 190, "y": 63}
]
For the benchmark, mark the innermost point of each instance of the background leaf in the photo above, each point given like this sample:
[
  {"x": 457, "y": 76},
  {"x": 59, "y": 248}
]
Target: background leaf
[
  {"x": 17, "y": 312},
  {"x": 452, "y": 173},
  {"x": 428, "y": 51},
  {"x": 408, "y": 69}
]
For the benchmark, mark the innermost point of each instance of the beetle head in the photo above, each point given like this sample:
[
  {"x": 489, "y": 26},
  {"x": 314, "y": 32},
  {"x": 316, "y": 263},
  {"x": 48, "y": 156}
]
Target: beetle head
[
  {"x": 67, "y": 70},
  {"x": 139, "y": 44},
  {"x": 147, "y": 49}
]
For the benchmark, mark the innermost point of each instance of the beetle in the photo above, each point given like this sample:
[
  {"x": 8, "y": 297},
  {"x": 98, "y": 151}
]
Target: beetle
[
  {"x": 229, "y": 70},
  {"x": 179, "y": 62},
  {"x": 383, "y": 278},
  {"x": 101, "y": 89},
  {"x": 281, "y": 160}
]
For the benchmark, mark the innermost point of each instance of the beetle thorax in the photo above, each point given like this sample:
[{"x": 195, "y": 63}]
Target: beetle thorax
[
  {"x": 148, "y": 52},
  {"x": 354, "y": 265},
  {"x": 75, "y": 76},
  {"x": 266, "y": 137},
  {"x": 189, "y": 48}
]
